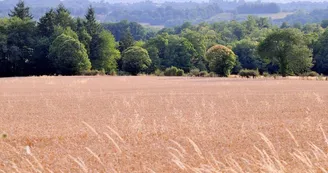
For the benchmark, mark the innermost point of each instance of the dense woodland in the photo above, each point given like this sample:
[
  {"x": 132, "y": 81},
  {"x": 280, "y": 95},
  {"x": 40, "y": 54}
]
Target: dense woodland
[{"x": 58, "y": 44}]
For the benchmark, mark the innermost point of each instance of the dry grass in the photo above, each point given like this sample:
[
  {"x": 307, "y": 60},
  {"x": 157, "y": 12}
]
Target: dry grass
[{"x": 152, "y": 124}]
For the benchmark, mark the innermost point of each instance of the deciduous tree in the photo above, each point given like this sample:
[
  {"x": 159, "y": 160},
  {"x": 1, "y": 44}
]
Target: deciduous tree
[
  {"x": 221, "y": 59},
  {"x": 283, "y": 47},
  {"x": 69, "y": 56},
  {"x": 135, "y": 60}
]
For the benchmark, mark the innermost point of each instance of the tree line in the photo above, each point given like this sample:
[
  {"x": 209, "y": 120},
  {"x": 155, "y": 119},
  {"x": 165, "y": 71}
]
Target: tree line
[{"x": 59, "y": 44}]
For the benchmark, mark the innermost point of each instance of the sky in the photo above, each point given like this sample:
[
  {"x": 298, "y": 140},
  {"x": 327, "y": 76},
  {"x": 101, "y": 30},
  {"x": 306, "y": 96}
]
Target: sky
[{"x": 280, "y": 1}]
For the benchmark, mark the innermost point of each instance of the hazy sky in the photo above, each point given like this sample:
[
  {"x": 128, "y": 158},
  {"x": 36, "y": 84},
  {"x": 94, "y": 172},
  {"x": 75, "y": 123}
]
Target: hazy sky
[
  {"x": 279, "y": 1},
  {"x": 207, "y": 0}
]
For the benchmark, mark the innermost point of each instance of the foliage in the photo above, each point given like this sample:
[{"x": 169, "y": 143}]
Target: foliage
[
  {"x": 179, "y": 53},
  {"x": 93, "y": 73},
  {"x": 212, "y": 74},
  {"x": 180, "y": 72},
  {"x": 320, "y": 53},
  {"x": 91, "y": 24},
  {"x": 135, "y": 60},
  {"x": 246, "y": 51},
  {"x": 68, "y": 56},
  {"x": 194, "y": 72},
  {"x": 25, "y": 44},
  {"x": 266, "y": 74},
  {"x": 106, "y": 53},
  {"x": 158, "y": 72},
  {"x": 311, "y": 74},
  {"x": 126, "y": 41},
  {"x": 17, "y": 45},
  {"x": 288, "y": 49},
  {"x": 203, "y": 74},
  {"x": 21, "y": 11},
  {"x": 249, "y": 73},
  {"x": 172, "y": 71},
  {"x": 119, "y": 29},
  {"x": 221, "y": 60}
]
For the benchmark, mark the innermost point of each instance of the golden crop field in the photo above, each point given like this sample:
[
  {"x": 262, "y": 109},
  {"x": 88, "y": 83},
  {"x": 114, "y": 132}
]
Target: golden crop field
[{"x": 163, "y": 125}]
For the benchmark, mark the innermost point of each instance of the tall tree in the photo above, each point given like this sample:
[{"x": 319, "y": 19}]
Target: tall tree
[
  {"x": 321, "y": 54},
  {"x": 83, "y": 35},
  {"x": 106, "y": 53},
  {"x": 69, "y": 56},
  {"x": 126, "y": 41},
  {"x": 47, "y": 23},
  {"x": 246, "y": 51},
  {"x": 21, "y": 11},
  {"x": 198, "y": 41},
  {"x": 91, "y": 24},
  {"x": 63, "y": 17},
  {"x": 282, "y": 47},
  {"x": 18, "y": 45},
  {"x": 179, "y": 53}
]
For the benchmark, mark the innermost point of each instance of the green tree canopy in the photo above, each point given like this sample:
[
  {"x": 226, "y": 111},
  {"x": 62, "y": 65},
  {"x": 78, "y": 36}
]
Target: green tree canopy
[
  {"x": 198, "y": 42},
  {"x": 246, "y": 51},
  {"x": 47, "y": 23},
  {"x": 321, "y": 54},
  {"x": 64, "y": 18},
  {"x": 69, "y": 56},
  {"x": 21, "y": 11},
  {"x": 17, "y": 39},
  {"x": 126, "y": 41},
  {"x": 283, "y": 47},
  {"x": 91, "y": 24},
  {"x": 135, "y": 60},
  {"x": 179, "y": 53},
  {"x": 221, "y": 60},
  {"x": 106, "y": 53}
]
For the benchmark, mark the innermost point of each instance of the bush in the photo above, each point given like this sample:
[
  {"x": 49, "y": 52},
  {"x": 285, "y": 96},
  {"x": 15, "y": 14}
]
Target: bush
[
  {"x": 158, "y": 72},
  {"x": 180, "y": 72},
  {"x": 194, "y": 72},
  {"x": 203, "y": 74},
  {"x": 112, "y": 73},
  {"x": 249, "y": 73},
  {"x": 93, "y": 73},
  {"x": 266, "y": 74},
  {"x": 172, "y": 71},
  {"x": 212, "y": 74},
  {"x": 123, "y": 73},
  {"x": 312, "y": 74}
]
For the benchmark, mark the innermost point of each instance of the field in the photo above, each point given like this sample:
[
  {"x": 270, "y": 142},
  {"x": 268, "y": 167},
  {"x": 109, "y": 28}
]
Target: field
[{"x": 159, "y": 124}]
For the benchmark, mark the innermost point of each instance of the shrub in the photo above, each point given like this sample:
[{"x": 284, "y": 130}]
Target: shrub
[
  {"x": 194, "y": 72},
  {"x": 158, "y": 72},
  {"x": 180, "y": 72},
  {"x": 266, "y": 74},
  {"x": 172, "y": 71},
  {"x": 93, "y": 73},
  {"x": 123, "y": 73},
  {"x": 212, "y": 74},
  {"x": 249, "y": 73},
  {"x": 112, "y": 73},
  {"x": 312, "y": 74},
  {"x": 275, "y": 76},
  {"x": 203, "y": 74},
  {"x": 321, "y": 77}
]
